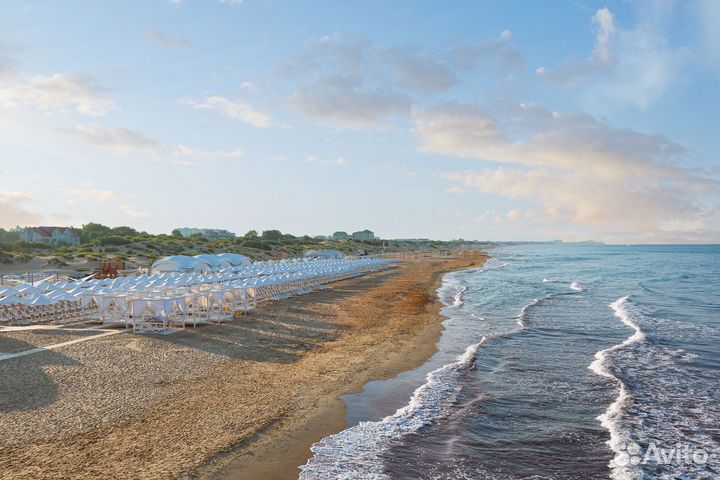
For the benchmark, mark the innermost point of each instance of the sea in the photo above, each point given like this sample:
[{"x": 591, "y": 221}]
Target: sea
[{"x": 557, "y": 361}]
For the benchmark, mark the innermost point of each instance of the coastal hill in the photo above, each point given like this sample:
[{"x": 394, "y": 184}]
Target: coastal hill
[{"x": 100, "y": 243}]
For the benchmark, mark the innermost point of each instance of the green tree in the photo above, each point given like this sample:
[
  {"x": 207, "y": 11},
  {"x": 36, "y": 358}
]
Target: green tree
[
  {"x": 8, "y": 237},
  {"x": 272, "y": 235},
  {"x": 124, "y": 231},
  {"x": 92, "y": 231},
  {"x": 252, "y": 234},
  {"x": 176, "y": 233}
]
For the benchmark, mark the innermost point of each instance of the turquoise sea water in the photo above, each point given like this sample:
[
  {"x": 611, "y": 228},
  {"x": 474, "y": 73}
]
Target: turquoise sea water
[{"x": 558, "y": 361}]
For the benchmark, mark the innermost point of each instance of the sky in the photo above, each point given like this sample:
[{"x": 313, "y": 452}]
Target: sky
[{"x": 487, "y": 120}]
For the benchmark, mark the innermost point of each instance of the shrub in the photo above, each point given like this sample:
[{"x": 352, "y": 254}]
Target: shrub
[
  {"x": 257, "y": 244},
  {"x": 113, "y": 240}
]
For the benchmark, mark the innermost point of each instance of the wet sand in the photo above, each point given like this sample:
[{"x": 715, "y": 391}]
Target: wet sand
[{"x": 242, "y": 400}]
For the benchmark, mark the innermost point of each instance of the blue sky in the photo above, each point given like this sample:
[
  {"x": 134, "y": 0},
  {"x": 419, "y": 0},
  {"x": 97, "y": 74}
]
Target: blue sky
[{"x": 485, "y": 120}]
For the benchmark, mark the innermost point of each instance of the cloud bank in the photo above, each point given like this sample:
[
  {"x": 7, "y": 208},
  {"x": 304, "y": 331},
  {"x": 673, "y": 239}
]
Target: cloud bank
[
  {"x": 126, "y": 142},
  {"x": 58, "y": 93},
  {"x": 578, "y": 171}
]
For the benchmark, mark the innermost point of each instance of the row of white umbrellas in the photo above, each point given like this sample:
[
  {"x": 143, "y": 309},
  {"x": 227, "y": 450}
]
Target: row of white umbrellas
[{"x": 256, "y": 275}]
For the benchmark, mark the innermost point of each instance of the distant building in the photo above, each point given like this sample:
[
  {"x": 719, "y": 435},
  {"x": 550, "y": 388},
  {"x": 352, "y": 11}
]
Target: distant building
[
  {"x": 340, "y": 236},
  {"x": 363, "y": 235},
  {"x": 50, "y": 235},
  {"x": 209, "y": 233}
]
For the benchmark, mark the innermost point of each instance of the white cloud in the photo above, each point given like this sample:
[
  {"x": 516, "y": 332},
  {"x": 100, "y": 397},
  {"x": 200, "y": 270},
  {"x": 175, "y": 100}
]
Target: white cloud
[
  {"x": 325, "y": 161},
  {"x": 355, "y": 83},
  {"x": 499, "y": 50},
  {"x": 89, "y": 192},
  {"x": 238, "y": 110},
  {"x": 601, "y": 60},
  {"x": 120, "y": 141},
  {"x": 15, "y": 197},
  {"x": 247, "y": 85},
  {"x": 415, "y": 69},
  {"x": 55, "y": 93},
  {"x": 185, "y": 151},
  {"x": 632, "y": 67},
  {"x": 403, "y": 67},
  {"x": 575, "y": 170},
  {"x": 13, "y": 212},
  {"x": 542, "y": 137},
  {"x": 134, "y": 212},
  {"x": 166, "y": 40},
  {"x": 605, "y": 22},
  {"x": 125, "y": 142},
  {"x": 346, "y": 102},
  {"x": 400, "y": 170}
]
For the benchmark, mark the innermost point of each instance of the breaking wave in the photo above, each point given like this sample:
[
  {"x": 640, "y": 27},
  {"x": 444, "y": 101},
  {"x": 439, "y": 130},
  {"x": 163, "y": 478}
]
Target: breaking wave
[
  {"x": 355, "y": 452},
  {"x": 611, "y": 418}
]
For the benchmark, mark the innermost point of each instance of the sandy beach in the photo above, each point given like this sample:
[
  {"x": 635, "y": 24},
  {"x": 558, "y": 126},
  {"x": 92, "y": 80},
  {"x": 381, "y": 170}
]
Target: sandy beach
[{"x": 242, "y": 400}]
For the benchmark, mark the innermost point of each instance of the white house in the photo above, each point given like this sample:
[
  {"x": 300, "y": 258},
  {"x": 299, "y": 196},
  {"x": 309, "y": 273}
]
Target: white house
[{"x": 50, "y": 235}]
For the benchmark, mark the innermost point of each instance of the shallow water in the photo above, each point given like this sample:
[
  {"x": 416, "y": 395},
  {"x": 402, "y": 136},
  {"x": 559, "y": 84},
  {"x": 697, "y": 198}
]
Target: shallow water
[{"x": 556, "y": 360}]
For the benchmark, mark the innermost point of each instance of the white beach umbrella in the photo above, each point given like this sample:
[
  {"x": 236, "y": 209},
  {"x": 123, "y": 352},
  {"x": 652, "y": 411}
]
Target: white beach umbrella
[
  {"x": 40, "y": 300},
  {"x": 7, "y": 291},
  {"x": 27, "y": 289},
  {"x": 12, "y": 300},
  {"x": 63, "y": 296}
]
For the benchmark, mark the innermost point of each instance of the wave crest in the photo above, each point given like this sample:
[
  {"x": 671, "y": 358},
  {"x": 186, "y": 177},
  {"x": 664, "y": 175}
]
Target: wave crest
[
  {"x": 359, "y": 447},
  {"x": 610, "y": 420}
]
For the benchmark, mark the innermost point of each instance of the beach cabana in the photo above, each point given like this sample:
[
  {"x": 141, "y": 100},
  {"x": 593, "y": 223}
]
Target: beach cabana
[
  {"x": 236, "y": 259},
  {"x": 215, "y": 261},
  {"x": 180, "y": 263}
]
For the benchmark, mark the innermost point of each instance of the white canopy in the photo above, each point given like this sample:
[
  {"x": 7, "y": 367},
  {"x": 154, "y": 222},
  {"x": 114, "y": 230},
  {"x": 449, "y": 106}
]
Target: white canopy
[
  {"x": 180, "y": 263},
  {"x": 40, "y": 300},
  {"x": 236, "y": 259},
  {"x": 7, "y": 291},
  {"x": 11, "y": 300},
  {"x": 215, "y": 261}
]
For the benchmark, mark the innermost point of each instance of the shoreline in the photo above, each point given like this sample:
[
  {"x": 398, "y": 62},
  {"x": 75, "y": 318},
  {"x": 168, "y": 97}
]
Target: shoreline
[
  {"x": 271, "y": 458},
  {"x": 252, "y": 394}
]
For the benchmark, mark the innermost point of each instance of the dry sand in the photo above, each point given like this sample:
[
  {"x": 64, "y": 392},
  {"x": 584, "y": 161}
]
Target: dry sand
[{"x": 242, "y": 400}]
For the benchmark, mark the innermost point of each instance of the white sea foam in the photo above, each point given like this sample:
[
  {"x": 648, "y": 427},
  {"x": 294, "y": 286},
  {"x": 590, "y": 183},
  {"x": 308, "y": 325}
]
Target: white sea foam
[
  {"x": 520, "y": 319},
  {"x": 612, "y": 416},
  {"x": 493, "y": 264},
  {"x": 577, "y": 287},
  {"x": 458, "y": 297},
  {"x": 355, "y": 453}
]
